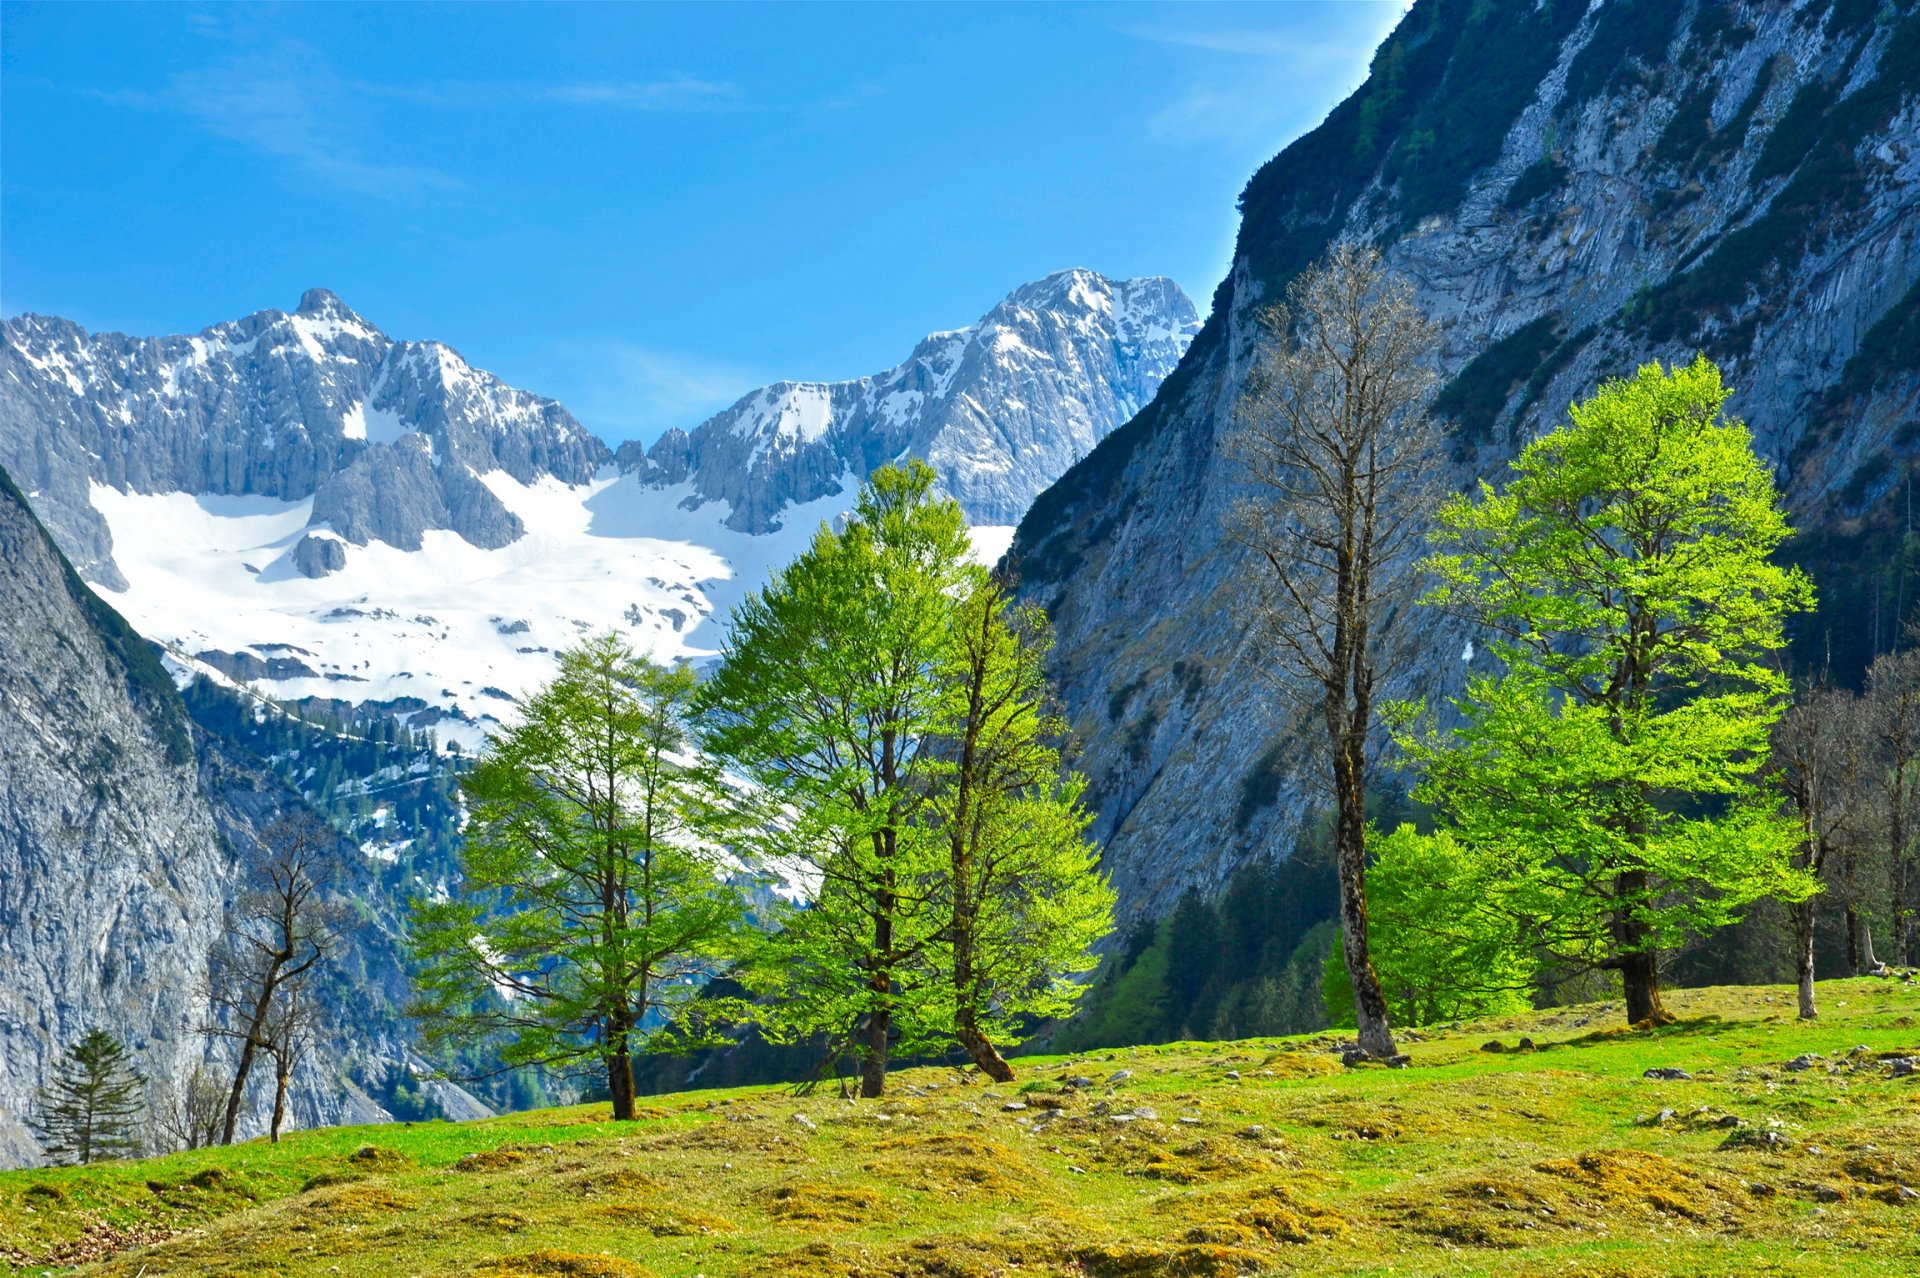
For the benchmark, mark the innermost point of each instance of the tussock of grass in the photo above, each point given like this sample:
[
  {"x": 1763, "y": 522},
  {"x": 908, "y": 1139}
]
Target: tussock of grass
[
  {"x": 559, "y": 1264},
  {"x": 1207, "y": 1159},
  {"x": 1183, "y": 1260},
  {"x": 491, "y": 1160},
  {"x": 1563, "y": 1160},
  {"x": 825, "y": 1204},
  {"x": 615, "y": 1180}
]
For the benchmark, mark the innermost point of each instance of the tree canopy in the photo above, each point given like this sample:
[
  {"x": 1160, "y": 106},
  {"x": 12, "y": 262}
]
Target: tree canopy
[{"x": 1606, "y": 782}]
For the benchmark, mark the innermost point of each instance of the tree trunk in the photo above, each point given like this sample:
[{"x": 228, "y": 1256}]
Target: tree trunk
[
  {"x": 1640, "y": 975},
  {"x": 279, "y": 1104},
  {"x": 1903, "y": 909},
  {"x": 1802, "y": 913},
  {"x": 1350, "y": 846},
  {"x": 873, "y": 1062},
  {"x": 1853, "y": 940},
  {"x": 248, "y": 1046},
  {"x": 1637, "y": 960},
  {"x": 620, "y": 1070},
  {"x": 982, "y": 1050}
]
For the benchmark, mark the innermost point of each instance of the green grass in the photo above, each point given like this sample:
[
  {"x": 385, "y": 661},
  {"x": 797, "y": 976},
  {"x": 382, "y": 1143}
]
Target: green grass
[{"x": 1549, "y": 1161}]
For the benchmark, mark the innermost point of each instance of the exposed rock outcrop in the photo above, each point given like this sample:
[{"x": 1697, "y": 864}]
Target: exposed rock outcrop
[
  {"x": 999, "y": 409},
  {"x": 1572, "y": 189},
  {"x": 112, "y": 869},
  {"x": 385, "y": 436}
]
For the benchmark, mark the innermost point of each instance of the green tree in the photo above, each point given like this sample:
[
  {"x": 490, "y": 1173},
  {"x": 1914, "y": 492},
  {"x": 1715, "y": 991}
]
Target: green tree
[
  {"x": 1606, "y": 784},
  {"x": 1442, "y": 951},
  {"x": 91, "y": 1107},
  {"x": 1025, "y": 901},
  {"x": 833, "y": 686},
  {"x": 591, "y": 898}
]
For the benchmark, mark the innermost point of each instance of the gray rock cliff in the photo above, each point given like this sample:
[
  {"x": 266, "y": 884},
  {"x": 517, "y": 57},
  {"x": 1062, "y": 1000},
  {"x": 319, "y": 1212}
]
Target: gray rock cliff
[
  {"x": 112, "y": 869},
  {"x": 119, "y": 825},
  {"x": 1572, "y": 190}
]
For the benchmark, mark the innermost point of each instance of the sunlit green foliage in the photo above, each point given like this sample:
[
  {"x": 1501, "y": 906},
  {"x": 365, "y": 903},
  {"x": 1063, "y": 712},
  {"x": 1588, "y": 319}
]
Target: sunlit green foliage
[{"x": 1605, "y": 783}]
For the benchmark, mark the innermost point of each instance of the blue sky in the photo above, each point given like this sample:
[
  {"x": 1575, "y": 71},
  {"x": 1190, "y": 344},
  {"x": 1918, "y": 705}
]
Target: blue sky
[{"x": 642, "y": 210}]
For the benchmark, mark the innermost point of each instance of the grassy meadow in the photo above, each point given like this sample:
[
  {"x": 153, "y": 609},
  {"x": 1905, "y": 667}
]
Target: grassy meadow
[{"x": 1193, "y": 1160}]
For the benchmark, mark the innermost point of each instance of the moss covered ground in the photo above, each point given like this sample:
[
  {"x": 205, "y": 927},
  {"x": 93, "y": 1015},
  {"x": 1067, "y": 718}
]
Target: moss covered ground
[{"x": 1192, "y": 1160}]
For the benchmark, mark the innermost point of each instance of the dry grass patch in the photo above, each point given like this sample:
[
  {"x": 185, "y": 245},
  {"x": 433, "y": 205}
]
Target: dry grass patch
[
  {"x": 806, "y": 1203},
  {"x": 1263, "y": 1214},
  {"x": 954, "y": 1163},
  {"x": 505, "y": 1158},
  {"x": 358, "y": 1203},
  {"x": 377, "y": 1158},
  {"x": 1203, "y": 1160},
  {"x": 559, "y": 1264},
  {"x": 661, "y": 1220},
  {"x": 615, "y": 1180},
  {"x": 1594, "y": 1191},
  {"x": 1180, "y": 1260},
  {"x": 1608, "y": 1179},
  {"x": 1354, "y": 1120},
  {"x": 1302, "y": 1064}
]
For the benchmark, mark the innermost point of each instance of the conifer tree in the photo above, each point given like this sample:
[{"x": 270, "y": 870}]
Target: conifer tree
[{"x": 92, "y": 1106}]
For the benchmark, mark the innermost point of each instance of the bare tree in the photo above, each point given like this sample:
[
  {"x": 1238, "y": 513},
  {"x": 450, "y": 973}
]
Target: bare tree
[
  {"x": 289, "y": 1030},
  {"x": 1334, "y": 438},
  {"x": 277, "y": 933},
  {"x": 1820, "y": 760},
  {"x": 1893, "y": 695},
  {"x": 194, "y": 1111}
]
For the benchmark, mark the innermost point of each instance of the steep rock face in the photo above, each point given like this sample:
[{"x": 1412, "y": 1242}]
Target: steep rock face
[
  {"x": 1572, "y": 191},
  {"x": 119, "y": 825},
  {"x": 386, "y": 436},
  {"x": 999, "y": 409},
  {"x": 112, "y": 871}
]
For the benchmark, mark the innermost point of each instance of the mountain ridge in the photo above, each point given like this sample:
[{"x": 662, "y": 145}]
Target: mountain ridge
[{"x": 340, "y": 516}]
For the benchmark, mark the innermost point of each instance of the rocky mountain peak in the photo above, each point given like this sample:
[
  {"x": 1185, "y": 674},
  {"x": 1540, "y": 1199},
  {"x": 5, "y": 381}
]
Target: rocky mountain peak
[
  {"x": 324, "y": 303},
  {"x": 388, "y": 440},
  {"x": 999, "y": 407}
]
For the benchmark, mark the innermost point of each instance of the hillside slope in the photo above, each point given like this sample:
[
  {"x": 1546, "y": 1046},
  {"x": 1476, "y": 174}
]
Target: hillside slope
[
  {"x": 1553, "y": 1155},
  {"x": 124, "y": 829},
  {"x": 112, "y": 869},
  {"x": 1572, "y": 189}
]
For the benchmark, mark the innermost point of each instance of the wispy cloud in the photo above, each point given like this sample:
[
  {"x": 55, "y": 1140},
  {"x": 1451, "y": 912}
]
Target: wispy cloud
[
  {"x": 287, "y": 99},
  {"x": 628, "y": 390},
  {"x": 288, "y": 102},
  {"x": 1240, "y": 93},
  {"x": 678, "y": 93}
]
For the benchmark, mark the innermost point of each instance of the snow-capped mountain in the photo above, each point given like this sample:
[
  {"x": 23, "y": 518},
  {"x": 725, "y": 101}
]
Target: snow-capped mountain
[
  {"x": 387, "y": 439},
  {"x": 304, "y": 503},
  {"x": 1000, "y": 409}
]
